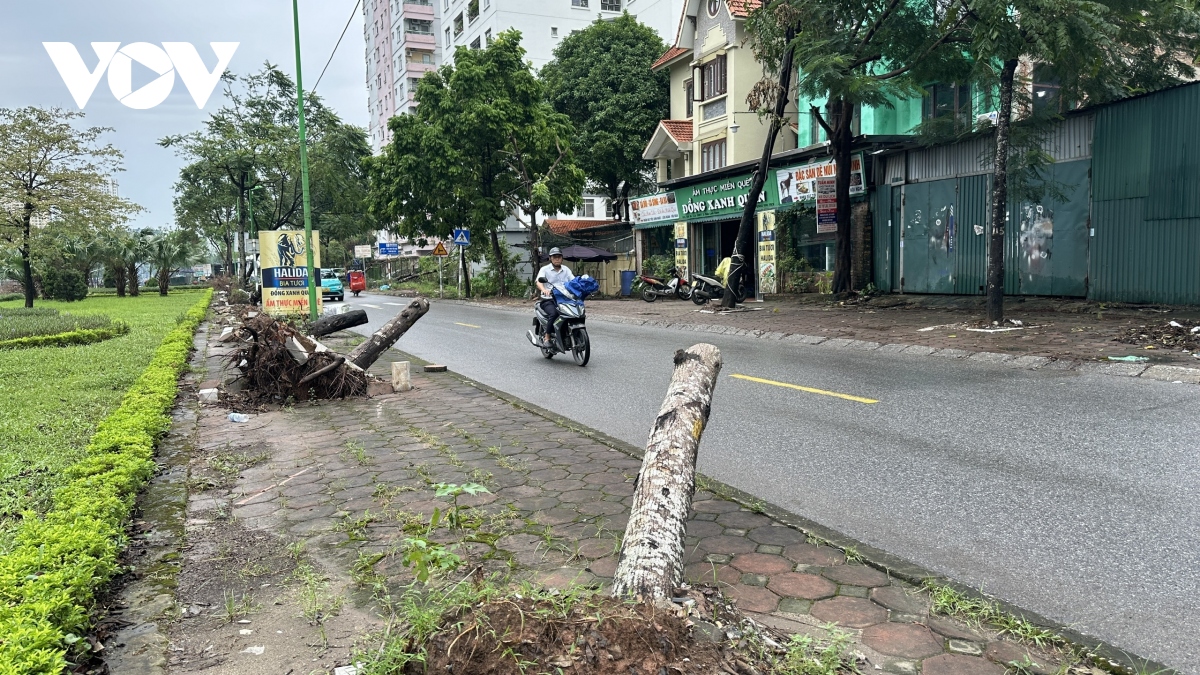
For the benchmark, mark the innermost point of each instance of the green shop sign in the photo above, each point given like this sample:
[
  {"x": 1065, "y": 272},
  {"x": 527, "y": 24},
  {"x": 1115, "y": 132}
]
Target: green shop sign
[{"x": 725, "y": 197}]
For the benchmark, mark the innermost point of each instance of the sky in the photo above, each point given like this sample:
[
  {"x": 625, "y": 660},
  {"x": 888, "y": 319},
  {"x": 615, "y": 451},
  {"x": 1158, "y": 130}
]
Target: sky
[{"x": 28, "y": 77}]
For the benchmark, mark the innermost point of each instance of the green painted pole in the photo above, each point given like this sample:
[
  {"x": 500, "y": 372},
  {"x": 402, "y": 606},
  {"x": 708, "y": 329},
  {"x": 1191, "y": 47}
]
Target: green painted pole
[{"x": 308, "y": 242}]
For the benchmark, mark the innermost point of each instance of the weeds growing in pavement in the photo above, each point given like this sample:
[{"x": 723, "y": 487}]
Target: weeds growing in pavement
[
  {"x": 355, "y": 528},
  {"x": 363, "y": 572},
  {"x": 807, "y": 656},
  {"x": 428, "y": 558},
  {"x": 296, "y": 549},
  {"x": 358, "y": 452},
  {"x": 852, "y": 554},
  {"x": 236, "y": 606},
  {"x": 316, "y": 601},
  {"x": 455, "y": 514},
  {"x": 948, "y": 601}
]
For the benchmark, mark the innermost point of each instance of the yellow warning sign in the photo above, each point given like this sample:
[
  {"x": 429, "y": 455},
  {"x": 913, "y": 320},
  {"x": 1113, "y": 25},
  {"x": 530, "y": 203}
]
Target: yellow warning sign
[{"x": 440, "y": 250}]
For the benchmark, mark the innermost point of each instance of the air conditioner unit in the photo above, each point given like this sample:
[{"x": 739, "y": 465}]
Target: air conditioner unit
[{"x": 992, "y": 118}]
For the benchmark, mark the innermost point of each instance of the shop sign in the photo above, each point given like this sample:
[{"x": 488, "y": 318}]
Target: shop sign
[
  {"x": 721, "y": 198},
  {"x": 767, "y": 280},
  {"x": 826, "y": 190},
  {"x": 655, "y": 208},
  {"x": 798, "y": 183},
  {"x": 681, "y": 252},
  {"x": 284, "y": 262}
]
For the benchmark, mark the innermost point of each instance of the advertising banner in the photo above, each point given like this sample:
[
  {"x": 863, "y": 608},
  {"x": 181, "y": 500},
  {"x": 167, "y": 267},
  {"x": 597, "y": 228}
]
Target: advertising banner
[
  {"x": 767, "y": 283},
  {"x": 798, "y": 183},
  {"x": 284, "y": 262},
  {"x": 681, "y": 248},
  {"x": 722, "y": 198},
  {"x": 362, "y": 251},
  {"x": 654, "y": 209},
  {"x": 826, "y": 190}
]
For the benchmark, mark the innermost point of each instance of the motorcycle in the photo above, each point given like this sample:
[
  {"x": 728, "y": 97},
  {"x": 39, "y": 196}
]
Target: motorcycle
[
  {"x": 678, "y": 286},
  {"x": 707, "y": 288},
  {"x": 568, "y": 334}
]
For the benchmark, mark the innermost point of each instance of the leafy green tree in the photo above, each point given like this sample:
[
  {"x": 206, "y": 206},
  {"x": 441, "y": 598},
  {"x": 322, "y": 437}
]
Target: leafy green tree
[
  {"x": 1099, "y": 50},
  {"x": 601, "y": 79},
  {"x": 458, "y": 161},
  {"x": 170, "y": 252},
  {"x": 251, "y": 144},
  {"x": 206, "y": 203},
  {"x": 853, "y": 54},
  {"x": 51, "y": 169}
]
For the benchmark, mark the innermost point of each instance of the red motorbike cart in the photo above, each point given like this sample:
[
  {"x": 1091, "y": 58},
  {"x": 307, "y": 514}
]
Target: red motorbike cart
[{"x": 358, "y": 282}]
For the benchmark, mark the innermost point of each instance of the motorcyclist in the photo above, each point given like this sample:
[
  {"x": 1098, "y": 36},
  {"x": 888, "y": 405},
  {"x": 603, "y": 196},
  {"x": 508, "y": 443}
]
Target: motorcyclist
[{"x": 550, "y": 275}]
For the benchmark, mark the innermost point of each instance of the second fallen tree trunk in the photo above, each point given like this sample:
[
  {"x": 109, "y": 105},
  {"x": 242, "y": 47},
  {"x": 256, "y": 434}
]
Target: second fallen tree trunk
[
  {"x": 366, "y": 353},
  {"x": 650, "y": 565},
  {"x": 335, "y": 322}
]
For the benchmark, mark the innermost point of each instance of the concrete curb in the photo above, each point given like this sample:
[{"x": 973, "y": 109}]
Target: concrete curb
[
  {"x": 1163, "y": 373},
  {"x": 1118, "y": 660}
]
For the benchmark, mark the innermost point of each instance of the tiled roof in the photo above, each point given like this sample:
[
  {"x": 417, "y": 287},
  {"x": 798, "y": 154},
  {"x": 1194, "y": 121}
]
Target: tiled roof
[
  {"x": 680, "y": 130},
  {"x": 670, "y": 54},
  {"x": 564, "y": 225},
  {"x": 742, "y": 8}
]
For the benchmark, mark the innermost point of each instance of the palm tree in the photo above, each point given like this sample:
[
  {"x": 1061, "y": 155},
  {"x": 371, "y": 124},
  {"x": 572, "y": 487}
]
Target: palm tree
[{"x": 169, "y": 252}]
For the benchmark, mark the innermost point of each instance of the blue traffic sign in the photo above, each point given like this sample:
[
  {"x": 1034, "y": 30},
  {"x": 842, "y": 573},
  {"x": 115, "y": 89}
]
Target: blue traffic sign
[
  {"x": 386, "y": 248},
  {"x": 462, "y": 237}
]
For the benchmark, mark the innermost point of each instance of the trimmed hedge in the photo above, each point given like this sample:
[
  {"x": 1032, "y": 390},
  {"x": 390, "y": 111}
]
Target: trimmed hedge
[
  {"x": 82, "y": 336},
  {"x": 48, "y": 580}
]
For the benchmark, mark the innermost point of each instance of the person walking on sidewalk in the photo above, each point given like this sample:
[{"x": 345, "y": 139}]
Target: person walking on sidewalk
[{"x": 554, "y": 273}]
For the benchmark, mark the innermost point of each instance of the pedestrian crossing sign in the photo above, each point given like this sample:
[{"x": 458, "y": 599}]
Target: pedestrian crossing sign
[
  {"x": 440, "y": 250},
  {"x": 462, "y": 237}
]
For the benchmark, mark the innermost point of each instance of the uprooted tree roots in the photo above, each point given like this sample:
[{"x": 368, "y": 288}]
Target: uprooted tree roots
[{"x": 278, "y": 362}]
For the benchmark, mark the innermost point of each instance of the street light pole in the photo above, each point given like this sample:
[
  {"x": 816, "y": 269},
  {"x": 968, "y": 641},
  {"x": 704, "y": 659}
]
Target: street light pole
[{"x": 308, "y": 242}]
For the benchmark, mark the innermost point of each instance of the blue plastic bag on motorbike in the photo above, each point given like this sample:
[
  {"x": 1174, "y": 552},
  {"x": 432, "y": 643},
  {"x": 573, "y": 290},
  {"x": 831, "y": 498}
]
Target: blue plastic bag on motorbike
[{"x": 582, "y": 286}]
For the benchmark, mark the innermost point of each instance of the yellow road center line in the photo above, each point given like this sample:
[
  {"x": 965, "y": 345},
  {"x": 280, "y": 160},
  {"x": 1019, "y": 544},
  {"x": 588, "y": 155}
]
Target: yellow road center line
[
  {"x": 468, "y": 325},
  {"x": 848, "y": 397}
]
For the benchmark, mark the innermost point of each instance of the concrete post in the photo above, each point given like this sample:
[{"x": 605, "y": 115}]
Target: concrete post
[{"x": 401, "y": 378}]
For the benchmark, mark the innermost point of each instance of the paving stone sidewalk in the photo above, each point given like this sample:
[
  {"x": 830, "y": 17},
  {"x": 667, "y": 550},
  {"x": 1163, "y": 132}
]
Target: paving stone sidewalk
[
  {"x": 343, "y": 477},
  {"x": 1057, "y": 334}
]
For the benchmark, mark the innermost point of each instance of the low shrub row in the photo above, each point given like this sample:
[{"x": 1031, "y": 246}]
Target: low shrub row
[
  {"x": 49, "y": 578},
  {"x": 81, "y": 336}
]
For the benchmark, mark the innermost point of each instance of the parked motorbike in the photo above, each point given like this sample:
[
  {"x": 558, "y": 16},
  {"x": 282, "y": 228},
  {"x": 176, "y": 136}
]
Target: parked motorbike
[
  {"x": 568, "y": 334},
  {"x": 678, "y": 286},
  {"x": 707, "y": 288}
]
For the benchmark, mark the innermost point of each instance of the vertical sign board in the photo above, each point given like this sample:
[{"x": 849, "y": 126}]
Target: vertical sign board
[
  {"x": 362, "y": 251},
  {"x": 681, "y": 248},
  {"x": 285, "y": 271},
  {"x": 767, "y": 283},
  {"x": 826, "y": 205}
]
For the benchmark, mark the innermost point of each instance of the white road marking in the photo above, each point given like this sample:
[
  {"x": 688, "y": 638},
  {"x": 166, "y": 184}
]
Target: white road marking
[
  {"x": 396, "y": 304},
  {"x": 371, "y": 306}
]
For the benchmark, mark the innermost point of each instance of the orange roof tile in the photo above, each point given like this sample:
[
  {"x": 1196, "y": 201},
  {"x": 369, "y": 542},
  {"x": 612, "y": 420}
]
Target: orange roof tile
[
  {"x": 680, "y": 130},
  {"x": 670, "y": 54},
  {"x": 742, "y": 8},
  {"x": 565, "y": 225}
]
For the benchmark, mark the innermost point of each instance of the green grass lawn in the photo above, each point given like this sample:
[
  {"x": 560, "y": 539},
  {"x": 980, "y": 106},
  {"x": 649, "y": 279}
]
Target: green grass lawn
[{"x": 52, "y": 398}]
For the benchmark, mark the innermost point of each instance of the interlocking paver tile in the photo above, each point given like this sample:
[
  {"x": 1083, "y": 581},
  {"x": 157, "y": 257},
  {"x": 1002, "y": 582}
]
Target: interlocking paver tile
[
  {"x": 752, "y": 598},
  {"x": 808, "y": 554},
  {"x": 857, "y": 575},
  {"x": 849, "y": 612},
  {"x": 900, "y": 600},
  {"x": 758, "y": 563},
  {"x": 908, "y": 640},
  {"x": 802, "y": 586},
  {"x": 955, "y": 664}
]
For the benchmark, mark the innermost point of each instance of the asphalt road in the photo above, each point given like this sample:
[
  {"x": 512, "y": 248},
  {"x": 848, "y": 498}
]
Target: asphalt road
[{"x": 1075, "y": 496}]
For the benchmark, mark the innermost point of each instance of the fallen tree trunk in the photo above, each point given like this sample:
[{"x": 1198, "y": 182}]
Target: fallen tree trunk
[
  {"x": 650, "y": 565},
  {"x": 366, "y": 353},
  {"x": 335, "y": 322}
]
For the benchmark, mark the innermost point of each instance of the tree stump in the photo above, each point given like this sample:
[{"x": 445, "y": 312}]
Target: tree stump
[
  {"x": 650, "y": 565},
  {"x": 366, "y": 353}
]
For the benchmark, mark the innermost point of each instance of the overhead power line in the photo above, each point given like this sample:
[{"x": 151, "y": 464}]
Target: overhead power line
[{"x": 335, "y": 47}]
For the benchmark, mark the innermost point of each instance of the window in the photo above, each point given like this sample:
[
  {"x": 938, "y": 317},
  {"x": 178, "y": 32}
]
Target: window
[
  {"x": 712, "y": 78},
  {"x": 817, "y": 132},
  {"x": 473, "y": 10},
  {"x": 427, "y": 58},
  {"x": 947, "y": 100},
  {"x": 458, "y": 25},
  {"x": 418, "y": 26},
  {"x": 579, "y": 3},
  {"x": 714, "y": 6},
  {"x": 712, "y": 155},
  {"x": 427, "y": 3},
  {"x": 689, "y": 92},
  {"x": 610, "y": 5},
  {"x": 487, "y": 4},
  {"x": 487, "y": 37},
  {"x": 554, "y": 31},
  {"x": 447, "y": 36},
  {"x": 412, "y": 83},
  {"x": 1047, "y": 90},
  {"x": 475, "y": 44},
  {"x": 587, "y": 209},
  {"x": 446, "y": 6}
]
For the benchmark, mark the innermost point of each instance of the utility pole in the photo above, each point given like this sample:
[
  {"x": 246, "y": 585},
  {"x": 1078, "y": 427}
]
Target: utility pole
[{"x": 308, "y": 242}]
